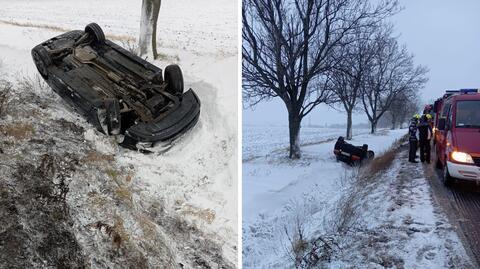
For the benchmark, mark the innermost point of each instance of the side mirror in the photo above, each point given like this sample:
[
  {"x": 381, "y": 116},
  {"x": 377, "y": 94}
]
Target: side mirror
[{"x": 441, "y": 124}]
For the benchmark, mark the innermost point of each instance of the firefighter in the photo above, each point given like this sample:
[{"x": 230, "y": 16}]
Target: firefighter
[
  {"x": 425, "y": 135},
  {"x": 412, "y": 130}
]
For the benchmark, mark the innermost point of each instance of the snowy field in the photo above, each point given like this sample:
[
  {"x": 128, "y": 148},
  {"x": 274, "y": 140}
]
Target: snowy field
[
  {"x": 273, "y": 180},
  {"x": 197, "y": 178},
  {"x": 259, "y": 141}
]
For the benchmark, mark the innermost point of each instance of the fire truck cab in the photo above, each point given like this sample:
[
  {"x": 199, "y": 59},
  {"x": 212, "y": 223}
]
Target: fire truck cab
[{"x": 457, "y": 135}]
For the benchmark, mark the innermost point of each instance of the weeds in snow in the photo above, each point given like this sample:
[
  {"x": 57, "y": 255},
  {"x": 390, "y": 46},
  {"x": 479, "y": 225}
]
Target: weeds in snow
[
  {"x": 344, "y": 221},
  {"x": 131, "y": 45},
  {"x": 5, "y": 96},
  {"x": 33, "y": 84},
  {"x": 19, "y": 131},
  {"x": 382, "y": 162}
]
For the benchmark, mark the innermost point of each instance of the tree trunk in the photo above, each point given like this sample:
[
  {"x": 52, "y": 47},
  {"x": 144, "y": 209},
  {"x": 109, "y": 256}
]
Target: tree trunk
[
  {"x": 394, "y": 121},
  {"x": 349, "y": 125},
  {"x": 373, "y": 125},
  {"x": 147, "y": 42},
  {"x": 294, "y": 131}
]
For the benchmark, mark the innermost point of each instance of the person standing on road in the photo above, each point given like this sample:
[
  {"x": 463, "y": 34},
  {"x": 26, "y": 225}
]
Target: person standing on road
[
  {"x": 425, "y": 135},
  {"x": 413, "y": 140}
]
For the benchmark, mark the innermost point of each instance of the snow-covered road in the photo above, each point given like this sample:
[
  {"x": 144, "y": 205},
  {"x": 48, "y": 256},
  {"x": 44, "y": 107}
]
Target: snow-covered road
[{"x": 402, "y": 225}]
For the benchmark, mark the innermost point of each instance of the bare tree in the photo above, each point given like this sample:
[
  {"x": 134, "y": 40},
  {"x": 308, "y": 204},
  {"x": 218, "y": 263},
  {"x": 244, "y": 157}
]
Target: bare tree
[
  {"x": 348, "y": 76},
  {"x": 404, "y": 104},
  {"x": 287, "y": 46},
  {"x": 411, "y": 107},
  {"x": 391, "y": 73},
  {"x": 147, "y": 42}
]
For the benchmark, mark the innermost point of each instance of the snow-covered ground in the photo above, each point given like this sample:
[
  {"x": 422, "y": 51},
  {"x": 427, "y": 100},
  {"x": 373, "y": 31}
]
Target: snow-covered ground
[
  {"x": 271, "y": 181},
  {"x": 259, "y": 141},
  {"x": 197, "y": 177},
  {"x": 281, "y": 197},
  {"x": 401, "y": 225}
]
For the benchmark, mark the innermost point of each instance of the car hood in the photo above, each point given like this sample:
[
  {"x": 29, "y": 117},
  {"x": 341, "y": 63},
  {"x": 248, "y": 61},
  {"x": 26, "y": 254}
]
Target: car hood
[{"x": 467, "y": 140}]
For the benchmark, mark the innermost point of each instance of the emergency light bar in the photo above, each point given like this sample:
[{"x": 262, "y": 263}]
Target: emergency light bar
[
  {"x": 461, "y": 91},
  {"x": 466, "y": 91}
]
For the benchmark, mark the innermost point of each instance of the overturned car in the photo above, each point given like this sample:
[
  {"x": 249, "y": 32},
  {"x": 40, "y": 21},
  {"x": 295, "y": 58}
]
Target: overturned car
[
  {"x": 117, "y": 91},
  {"x": 351, "y": 154}
]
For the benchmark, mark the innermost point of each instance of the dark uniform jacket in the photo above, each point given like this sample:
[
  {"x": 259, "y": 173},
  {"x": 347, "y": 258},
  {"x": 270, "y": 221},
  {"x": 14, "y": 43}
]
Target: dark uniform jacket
[
  {"x": 412, "y": 130},
  {"x": 424, "y": 130}
]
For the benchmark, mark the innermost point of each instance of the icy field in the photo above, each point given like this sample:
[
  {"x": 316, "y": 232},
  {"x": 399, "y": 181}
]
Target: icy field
[
  {"x": 207, "y": 26},
  {"x": 196, "y": 180},
  {"x": 385, "y": 228},
  {"x": 259, "y": 141}
]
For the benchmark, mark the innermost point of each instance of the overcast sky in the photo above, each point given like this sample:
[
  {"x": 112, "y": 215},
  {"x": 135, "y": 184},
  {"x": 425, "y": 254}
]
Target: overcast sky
[{"x": 444, "y": 35}]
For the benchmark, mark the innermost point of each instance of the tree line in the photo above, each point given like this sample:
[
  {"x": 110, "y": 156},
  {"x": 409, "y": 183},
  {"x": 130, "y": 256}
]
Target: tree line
[{"x": 341, "y": 53}]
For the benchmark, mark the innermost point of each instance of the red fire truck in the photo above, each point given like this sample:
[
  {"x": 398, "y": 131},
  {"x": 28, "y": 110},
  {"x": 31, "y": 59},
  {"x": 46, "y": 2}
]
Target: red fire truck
[{"x": 457, "y": 135}]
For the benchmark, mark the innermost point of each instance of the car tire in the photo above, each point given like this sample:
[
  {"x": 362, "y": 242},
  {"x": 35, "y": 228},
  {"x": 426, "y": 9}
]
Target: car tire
[
  {"x": 42, "y": 60},
  {"x": 96, "y": 31},
  {"x": 438, "y": 164},
  {"x": 174, "y": 79},
  {"x": 447, "y": 179}
]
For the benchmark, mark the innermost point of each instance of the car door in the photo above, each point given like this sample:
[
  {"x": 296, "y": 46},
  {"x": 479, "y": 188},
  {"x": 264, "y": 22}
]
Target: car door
[{"x": 442, "y": 139}]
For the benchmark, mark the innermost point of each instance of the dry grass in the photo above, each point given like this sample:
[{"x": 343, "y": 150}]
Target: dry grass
[
  {"x": 33, "y": 83},
  {"x": 346, "y": 219},
  {"x": 97, "y": 200},
  {"x": 207, "y": 215},
  {"x": 124, "y": 194},
  {"x": 382, "y": 162},
  {"x": 148, "y": 227},
  {"x": 169, "y": 58},
  {"x": 299, "y": 247},
  {"x": 131, "y": 45},
  {"x": 94, "y": 156},
  {"x": 36, "y": 25},
  {"x": 122, "y": 235},
  {"x": 5, "y": 96},
  {"x": 112, "y": 173},
  {"x": 19, "y": 131},
  {"x": 60, "y": 29}
]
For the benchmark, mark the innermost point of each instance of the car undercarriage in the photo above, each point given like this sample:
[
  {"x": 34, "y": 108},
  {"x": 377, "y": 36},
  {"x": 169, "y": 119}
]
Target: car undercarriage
[{"x": 117, "y": 91}]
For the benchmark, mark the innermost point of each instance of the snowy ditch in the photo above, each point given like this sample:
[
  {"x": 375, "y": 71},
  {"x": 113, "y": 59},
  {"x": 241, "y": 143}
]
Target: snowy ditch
[{"x": 59, "y": 183}]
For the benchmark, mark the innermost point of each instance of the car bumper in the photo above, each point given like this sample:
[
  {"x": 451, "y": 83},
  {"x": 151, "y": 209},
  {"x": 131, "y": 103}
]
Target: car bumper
[
  {"x": 463, "y": 171},
  {"x": 170, "y": 126}
]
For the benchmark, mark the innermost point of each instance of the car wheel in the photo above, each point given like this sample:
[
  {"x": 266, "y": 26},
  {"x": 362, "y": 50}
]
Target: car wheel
[
  {"x": 174, "y": 79},
  {"x": 96, "y": 31},
  {"x": 438, "y": 164},
  {"x": 42, "y": 60},
  {"x": 447, "y": 179}
]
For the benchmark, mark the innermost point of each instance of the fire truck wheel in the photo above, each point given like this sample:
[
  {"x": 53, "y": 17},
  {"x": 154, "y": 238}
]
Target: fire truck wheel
[{"x": 447, "y": 179}]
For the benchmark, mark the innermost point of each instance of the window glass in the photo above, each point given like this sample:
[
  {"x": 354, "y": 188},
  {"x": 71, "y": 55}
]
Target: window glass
[
  {"x": 446, "y": 108},
  {"x": 468, "y": 114}
]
